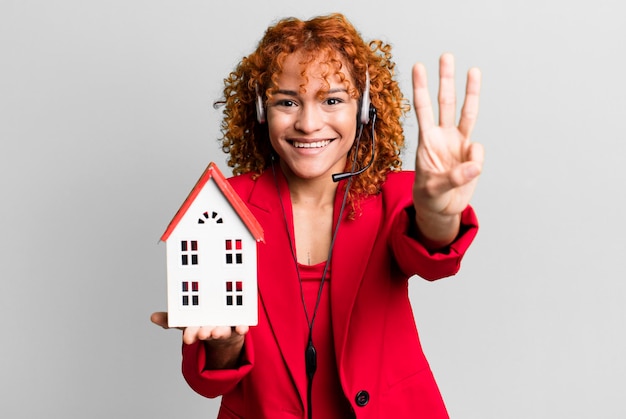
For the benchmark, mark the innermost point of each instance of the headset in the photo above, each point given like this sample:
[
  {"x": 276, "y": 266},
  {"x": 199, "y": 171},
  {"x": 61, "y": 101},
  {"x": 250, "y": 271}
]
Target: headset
[
  {"x": 260, "y": 109},
  {"x": 367, "y": 113},
  {"x": 364, "y": 111}
]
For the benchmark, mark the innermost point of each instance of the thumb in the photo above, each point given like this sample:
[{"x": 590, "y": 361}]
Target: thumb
[
  {"x": 464, "y": 174},
  {"x": 160, "y": 319},
  {"x": 471, "y": 170}
]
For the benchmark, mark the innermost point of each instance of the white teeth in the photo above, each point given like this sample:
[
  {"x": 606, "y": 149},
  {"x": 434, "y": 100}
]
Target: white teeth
[{"x": 317, "y": 144}]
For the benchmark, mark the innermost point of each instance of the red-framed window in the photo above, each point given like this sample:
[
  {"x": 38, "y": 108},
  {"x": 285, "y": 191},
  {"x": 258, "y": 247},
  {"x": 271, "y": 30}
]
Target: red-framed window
[
  {"x": 234, "y": 293},
  {"x": 233, "y": 249},
  {"x": 189, "y": 252},
  {"x": 190, "y": 291}
]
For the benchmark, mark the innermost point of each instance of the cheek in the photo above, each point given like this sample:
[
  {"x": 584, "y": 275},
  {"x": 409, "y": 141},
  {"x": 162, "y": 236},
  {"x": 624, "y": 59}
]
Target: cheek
[
  {"x": 348, "y": 125},
  {"x": 274, "y": 131},
  {"x": 347, "y": 120},
  {"x": 277, "y": 125}
]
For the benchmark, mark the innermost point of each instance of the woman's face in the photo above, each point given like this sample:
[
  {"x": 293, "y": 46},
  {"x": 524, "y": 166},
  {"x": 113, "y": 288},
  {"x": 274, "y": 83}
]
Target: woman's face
[{"x": 312, "y": 130}]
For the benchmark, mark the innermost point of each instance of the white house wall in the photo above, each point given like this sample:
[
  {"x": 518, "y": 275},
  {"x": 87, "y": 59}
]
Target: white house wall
[{"x": 211, "y": 271}]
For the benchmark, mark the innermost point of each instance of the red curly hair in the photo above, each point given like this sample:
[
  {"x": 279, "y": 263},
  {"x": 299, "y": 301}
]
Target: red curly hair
[{"x": 331, "y": 40}]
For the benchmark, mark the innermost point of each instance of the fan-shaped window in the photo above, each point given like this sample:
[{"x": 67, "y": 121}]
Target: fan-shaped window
[{"x": 210, "y": 217}]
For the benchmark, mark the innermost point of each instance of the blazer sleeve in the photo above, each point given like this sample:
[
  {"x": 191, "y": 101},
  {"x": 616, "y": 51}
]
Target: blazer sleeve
[
  {"x": 414, "y": 259},
  {"x": 214, "y": 383}
]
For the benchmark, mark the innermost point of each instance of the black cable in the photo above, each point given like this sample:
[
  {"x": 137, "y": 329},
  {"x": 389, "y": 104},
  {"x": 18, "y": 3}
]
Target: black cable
[{"x": 310, "y": 353}]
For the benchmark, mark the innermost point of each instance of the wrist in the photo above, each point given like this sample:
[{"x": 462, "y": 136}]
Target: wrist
[
  {"x": 222, "y": 355},
  {"x": 436, "y": 231}
]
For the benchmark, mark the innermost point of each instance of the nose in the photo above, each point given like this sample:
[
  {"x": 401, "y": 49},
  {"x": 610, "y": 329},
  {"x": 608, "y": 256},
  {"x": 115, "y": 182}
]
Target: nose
[{"x": 309, "y": 118}]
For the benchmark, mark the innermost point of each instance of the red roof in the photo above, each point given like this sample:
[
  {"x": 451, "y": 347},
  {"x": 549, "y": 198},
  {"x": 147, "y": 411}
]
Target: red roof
[{"x": 213, "y": 172}]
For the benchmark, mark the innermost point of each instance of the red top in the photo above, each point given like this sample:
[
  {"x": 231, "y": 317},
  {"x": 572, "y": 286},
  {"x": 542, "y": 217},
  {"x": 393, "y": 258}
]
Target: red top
[{"x": 329, "y": 401}]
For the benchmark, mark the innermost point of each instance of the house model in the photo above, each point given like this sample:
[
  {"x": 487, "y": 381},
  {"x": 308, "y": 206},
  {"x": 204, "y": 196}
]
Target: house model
[{"x": 211, "y": 246}]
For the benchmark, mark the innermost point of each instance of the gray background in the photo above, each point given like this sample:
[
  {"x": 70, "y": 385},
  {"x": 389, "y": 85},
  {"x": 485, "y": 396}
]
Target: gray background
[{"x": 106, "y": 123}]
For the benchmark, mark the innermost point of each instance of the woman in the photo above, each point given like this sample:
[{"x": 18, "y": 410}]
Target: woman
[{"x": 336, "y": 336}]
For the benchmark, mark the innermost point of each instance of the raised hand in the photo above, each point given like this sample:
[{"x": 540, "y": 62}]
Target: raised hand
[{"x": 447, "y": 163}]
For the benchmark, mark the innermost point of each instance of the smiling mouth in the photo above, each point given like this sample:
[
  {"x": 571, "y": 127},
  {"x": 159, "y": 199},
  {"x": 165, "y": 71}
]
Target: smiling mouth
[{"x": 316, "y": 144}]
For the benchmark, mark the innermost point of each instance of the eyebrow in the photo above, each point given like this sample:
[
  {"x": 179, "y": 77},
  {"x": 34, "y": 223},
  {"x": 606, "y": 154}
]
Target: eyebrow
[{"x": 294, "y": 93}]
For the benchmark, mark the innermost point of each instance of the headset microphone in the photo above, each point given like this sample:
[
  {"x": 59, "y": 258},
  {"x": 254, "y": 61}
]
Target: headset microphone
[{"x": 341, "y": 176}]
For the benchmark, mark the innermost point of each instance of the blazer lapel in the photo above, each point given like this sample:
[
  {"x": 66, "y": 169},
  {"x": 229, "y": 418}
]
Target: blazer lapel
[
  {"x": 279, "y": 290},
  {"x": 352, "y": 248}
]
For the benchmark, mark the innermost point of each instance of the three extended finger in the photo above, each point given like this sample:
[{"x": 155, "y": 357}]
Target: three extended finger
[
  {"x": 421, "y": 98},
  {"x": 447, "y": 91},
  {"x": 469, "y": 112}
]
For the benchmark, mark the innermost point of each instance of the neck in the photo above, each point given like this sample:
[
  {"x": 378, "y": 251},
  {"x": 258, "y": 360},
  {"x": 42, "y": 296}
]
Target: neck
[{"x": 316, "y": 192}]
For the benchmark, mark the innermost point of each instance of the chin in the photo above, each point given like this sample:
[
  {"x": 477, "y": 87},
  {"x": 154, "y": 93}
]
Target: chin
[{"x": 310, "y": 172}]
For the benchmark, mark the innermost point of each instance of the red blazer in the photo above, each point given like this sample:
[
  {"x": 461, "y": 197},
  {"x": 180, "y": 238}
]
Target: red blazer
[{"x": 382, "y": 368}]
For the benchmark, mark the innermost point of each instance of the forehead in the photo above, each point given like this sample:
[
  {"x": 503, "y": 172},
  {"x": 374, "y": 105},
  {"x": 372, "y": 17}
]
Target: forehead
[{"x": 319, "y": 71}]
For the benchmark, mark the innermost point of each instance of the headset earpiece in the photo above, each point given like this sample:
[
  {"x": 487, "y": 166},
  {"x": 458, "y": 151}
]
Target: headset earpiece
[
  {"x": 260, "y": 109},
  {"x": 364, "y": 112}
]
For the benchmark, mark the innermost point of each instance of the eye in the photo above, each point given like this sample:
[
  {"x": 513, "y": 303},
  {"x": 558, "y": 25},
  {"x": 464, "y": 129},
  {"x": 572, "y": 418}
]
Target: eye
[
  {"x": 286, "y": 103},
  {"x": 333, "y": 101}
]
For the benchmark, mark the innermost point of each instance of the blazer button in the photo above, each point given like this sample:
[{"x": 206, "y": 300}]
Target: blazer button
[{"x": 362, "y": 398}]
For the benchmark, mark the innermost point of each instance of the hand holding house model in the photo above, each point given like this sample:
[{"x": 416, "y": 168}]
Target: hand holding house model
[{"x": 212, "y": 257}]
